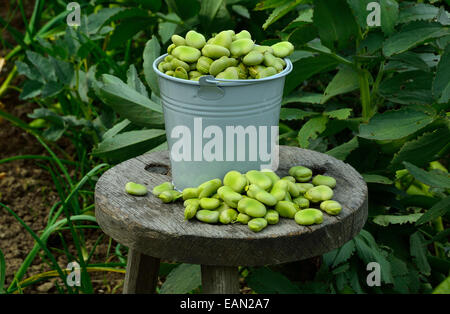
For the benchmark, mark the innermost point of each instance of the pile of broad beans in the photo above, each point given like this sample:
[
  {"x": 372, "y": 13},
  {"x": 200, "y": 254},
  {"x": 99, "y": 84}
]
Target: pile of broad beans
[
  {"x": 227, "y": 55},
  {"x": 256, "y": 198}
]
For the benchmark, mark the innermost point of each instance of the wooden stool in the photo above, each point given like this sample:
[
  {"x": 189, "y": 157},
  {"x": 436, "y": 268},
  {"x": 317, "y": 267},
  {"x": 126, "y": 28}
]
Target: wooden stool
[{"x": 153, "y": 230}]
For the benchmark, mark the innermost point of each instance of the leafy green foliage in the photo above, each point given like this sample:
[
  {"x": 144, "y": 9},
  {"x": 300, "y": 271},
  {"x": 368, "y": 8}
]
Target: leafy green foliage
[{"x": 183, "y": 279}]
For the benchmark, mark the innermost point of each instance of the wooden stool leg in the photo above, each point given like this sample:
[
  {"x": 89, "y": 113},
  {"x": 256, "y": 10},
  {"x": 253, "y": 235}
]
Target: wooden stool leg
[
  {"x": 220, "y": 279},
  {"x": 142, "y": 273}
]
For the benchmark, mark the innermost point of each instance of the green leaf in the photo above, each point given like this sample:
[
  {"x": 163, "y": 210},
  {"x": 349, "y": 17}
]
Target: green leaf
[
  {"x": 307, "y": 67},
  {"x": 415, "y": 12},
  {"x": 98, "y": 19},
  {"x": 443, "y": 287},
  {"x": 411, "y": 59},
  {"x": 264, "y": 280},
  {"x": 116, "y": 129},
  {"x": 340, "y": 114},
  {"x": 241, "y": 10},
  {"x": 359, "y": 8},
  {"x": 386, "y": 220},
  {"x": 304, "y": 17},
  {"x": 309, "y": 98},
  {"x": 31, "y": 89},
  {"x": 423, "y": 149},
  {"x": 54, "y": 133},
  {"x": 182, "y": 279},
  {"x": 31, "y": 73},
  {"x": 302, "y": 34},
  {"x": 311, "y": 129},
  {"x": 389, "y": 15},
  {"x": 208, "y": 11},
  {"x": 411, "y": 36},
  {"x": 129, "y": 103},
  {"x": 43, "y": 65},
  {"x": 51, "y": 89},
  {"x": 153, "y": 5},
  {"x": 167, "y": 29},
  {"x": 342, "y": 151},
  {"x": 135, "y": 82},
  {"x": 269, "y": 4},
  {"x": 438, "y": 210},
  {"x": 434, "y": 179},
  {"x": 47, "y": 115},
  {"x": 185, "y": 8},
  {"x": 368, "y": 251},
  {"x": 419, "y": 253},
  {"x": 396, "y": 124},
  {"x": 329, "y": 17},
  {"x": 281, "y": 11},
  {"x": 375, "y": 178},
  {"x": 127, "y": 29},
  {"x": 295, "y": 114},
  {"x": 411, "y": 87},
  {"x": 129, "y": 144},
  {"x": 346, "y": 80},
  {"x": 441, "y": 84},
  {"x": 344, "y": 253},
  {"x": 152, "y": 51}
]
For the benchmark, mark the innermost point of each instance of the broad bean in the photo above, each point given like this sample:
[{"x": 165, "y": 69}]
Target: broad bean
[
  {"x": 203, "y": 64},
  {"x": 324, "y": 180},
  {"x": 162, "y": 187},
  {"x": 229, "y": 196},
  {"x": 228, "y": 216},
  {"x": 135, "y": 189},
  {"x": 215, "y": 51},
  {"x": 254, "y": 191},
  {"x": 242, "y": 35},
  {"x": 209, "y": 188},
  {"x": 331, "y": 207},
  {"x": 301, "y": 201},
  {"x": 309, "y": 216},
  {"x": 243, "y": 218},
  {"x": 178, "y": 40},
  {"x": 186, "y": 53},
  {"x": 175, "y": 63},
  {"x": 263, "y": 49},
  {"x": 286, "y": 209},
  {"x": 300, "y": 173},
  {"x": 190, "y": 208},
  {"x": 170, "y": 196},
  {"x": 181, "y": 73},
  {"x": 303, "y": 187},
  {"x": 189, "y": 193},
  {"x": 269, "y": 71},
  {"x": 279, "y": 189},
  {"x": 259, "y": 178},
  {"x": 194, "y": 39},
  {"x": 282, "y": 49},
  {"x": 319, "y": 193},
  {"x": 231, "y": 73},
  {"x": 235, "y": 180},
  {"x": 209, "y": 203},
  {"x": 253, "y": 58},
  {"x": 224, "y": 39},
  {"x": 254, "y": 70},
  {"x": 241, "y": 47},
  {"x": 271, "y": 174},
  {"x": 271, "y": 61},
  {"x": 194, "y": 74},
  {"x": 257, "y": 224},
  {"x": 251, "y": 207},
  {"x": 272, "y": 217},
  {"x": 208, "y": 216}
]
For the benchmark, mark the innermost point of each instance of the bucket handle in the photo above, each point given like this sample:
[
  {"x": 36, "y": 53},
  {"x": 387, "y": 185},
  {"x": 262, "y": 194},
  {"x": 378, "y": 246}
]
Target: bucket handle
[{"x": 208, "y": 89}]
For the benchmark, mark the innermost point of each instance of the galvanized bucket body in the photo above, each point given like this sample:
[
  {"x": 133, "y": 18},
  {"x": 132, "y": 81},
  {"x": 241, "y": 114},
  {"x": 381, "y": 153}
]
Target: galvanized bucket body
[{"x": 199, "y": 115}]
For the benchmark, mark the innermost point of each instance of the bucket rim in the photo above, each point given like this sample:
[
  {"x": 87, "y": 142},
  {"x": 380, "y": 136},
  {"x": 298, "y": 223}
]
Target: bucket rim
[{"x": 223, "y": 82}]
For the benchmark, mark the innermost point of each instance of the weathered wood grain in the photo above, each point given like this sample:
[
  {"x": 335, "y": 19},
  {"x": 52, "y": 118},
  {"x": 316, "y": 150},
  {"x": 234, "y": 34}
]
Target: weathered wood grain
[
  {"x": 147, "y": 225},
  {"x": 220, "y": 279},
  {"x": 142, "y": 273}
]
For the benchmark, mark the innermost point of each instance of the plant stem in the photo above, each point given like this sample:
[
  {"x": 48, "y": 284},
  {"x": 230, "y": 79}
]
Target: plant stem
[
  {"x": 367, "y": 110},
  {"x": 8, "y": 80}
]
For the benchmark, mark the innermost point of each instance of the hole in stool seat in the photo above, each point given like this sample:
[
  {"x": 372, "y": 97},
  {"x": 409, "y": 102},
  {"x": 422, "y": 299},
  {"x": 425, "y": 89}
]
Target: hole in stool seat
[{"x": 158, "y": 168}]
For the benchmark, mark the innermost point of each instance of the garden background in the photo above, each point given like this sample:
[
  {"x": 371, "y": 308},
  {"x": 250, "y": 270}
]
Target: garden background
[{"x": 71, "y": 106}]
